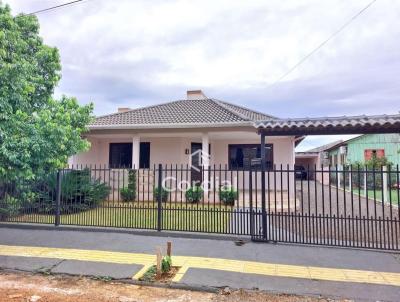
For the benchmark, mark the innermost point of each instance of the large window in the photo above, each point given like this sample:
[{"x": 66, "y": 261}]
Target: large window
[
  {"x": 244, "y": 156},
  {"x": 121, "y": 155}
]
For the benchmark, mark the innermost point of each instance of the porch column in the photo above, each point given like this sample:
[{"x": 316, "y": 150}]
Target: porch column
[
  {"x": 135, "y": 151},
  {"x": 205, "y": 159}
]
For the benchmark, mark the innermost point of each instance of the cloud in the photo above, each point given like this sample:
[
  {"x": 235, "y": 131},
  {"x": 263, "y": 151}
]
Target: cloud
[{"x": 135, "y": 53}]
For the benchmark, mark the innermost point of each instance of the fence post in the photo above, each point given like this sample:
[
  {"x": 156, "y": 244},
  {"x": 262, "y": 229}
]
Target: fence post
[
  {"x": 365, "y": 183},
  {"x": 251, "y": 202},
  {"x": 263, "y": 191},
  {"x": 159, "y": 199},
  {"x": 385, "y": 184},
  {"x": 58, "y": 199}
]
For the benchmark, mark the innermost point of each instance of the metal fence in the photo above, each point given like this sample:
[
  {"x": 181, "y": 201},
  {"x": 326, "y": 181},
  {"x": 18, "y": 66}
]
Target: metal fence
[{"x": 354, "y": 207}]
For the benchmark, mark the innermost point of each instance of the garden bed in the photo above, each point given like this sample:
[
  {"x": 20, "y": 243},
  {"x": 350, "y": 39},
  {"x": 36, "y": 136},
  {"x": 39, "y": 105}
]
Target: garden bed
[{"x": 151, "y": 275}]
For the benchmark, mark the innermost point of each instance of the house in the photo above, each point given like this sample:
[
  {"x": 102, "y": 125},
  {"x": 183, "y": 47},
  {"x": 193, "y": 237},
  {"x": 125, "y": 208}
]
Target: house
[
  {"x": 175, "y": 134},
  {"x": 169, "y": 133},
  {"x": 315, "y": 158},
  {"x": 364, "y": 147}
]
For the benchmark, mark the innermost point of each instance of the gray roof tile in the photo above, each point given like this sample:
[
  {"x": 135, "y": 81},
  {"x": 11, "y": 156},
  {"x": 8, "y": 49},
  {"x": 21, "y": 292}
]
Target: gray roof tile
[
  {"x": 183, "y": 112},
  {"x": 341, "y": 121}
]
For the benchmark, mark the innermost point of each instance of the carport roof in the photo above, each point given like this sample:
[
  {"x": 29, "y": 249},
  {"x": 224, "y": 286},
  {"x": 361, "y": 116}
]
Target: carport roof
[{"x": 361, "y": 124}]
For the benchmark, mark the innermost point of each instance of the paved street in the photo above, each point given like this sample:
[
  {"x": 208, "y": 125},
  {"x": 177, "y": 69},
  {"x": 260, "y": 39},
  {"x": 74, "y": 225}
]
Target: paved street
[{"x": 354, "y": 274}]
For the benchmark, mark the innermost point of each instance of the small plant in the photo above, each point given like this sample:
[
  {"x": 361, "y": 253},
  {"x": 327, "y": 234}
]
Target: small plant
[
  {"x": 194, "y": 194},
  {"x": 129, "y": 193},
  {"x": 166, "y": 264},
  {"x": 102, "y": 278},
  {"x": 160, "y": 191},
  {"x": 228, "y": 195},
  {"x": 149, "y": 275}
]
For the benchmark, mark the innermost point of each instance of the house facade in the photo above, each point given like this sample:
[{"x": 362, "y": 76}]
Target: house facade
[
  {"x": 196, "y": 132},
  {"x": 364, "y": 147},
  {"x": 169, "y": 133}
]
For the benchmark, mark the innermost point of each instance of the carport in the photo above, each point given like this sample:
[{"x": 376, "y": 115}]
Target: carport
[
  {"x": 361, "y": 124},
  {"x": 340, "y": 216},
  {"x": 307, "y": 160}
]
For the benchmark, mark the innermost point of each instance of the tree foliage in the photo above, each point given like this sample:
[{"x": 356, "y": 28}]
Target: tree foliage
[{"x": 37, "y": 132}]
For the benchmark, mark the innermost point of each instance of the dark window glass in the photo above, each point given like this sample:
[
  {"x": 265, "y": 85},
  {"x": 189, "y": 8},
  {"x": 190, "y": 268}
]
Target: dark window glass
[
  {"x": 121, "y": 155},
  {"x": 144, "y": 157},
  {"x": 244, "y": 156}
]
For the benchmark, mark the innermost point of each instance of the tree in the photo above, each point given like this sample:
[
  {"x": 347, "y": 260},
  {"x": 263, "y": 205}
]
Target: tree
[{"x": 37, "y": 132}]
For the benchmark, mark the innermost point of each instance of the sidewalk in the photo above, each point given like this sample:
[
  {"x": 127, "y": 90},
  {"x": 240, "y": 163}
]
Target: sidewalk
[{"x": 354, "y": 274}]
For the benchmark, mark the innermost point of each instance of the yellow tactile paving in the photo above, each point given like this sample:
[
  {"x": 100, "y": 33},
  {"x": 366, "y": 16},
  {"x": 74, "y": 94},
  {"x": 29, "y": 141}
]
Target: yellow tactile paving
[
  {"x": 186, "y": 262},
  {"x": 141, "y": 272}
]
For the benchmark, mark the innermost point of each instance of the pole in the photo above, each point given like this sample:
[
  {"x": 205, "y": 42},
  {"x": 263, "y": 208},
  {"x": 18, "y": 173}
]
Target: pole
[
  {"x": 251, "y": 202},
  {"x": 263, "y": 191}
]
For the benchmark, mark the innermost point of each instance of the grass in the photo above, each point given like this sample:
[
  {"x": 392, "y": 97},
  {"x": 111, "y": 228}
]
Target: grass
[
  {"x": 378, "y": 195},
  {"x": 175, "y": 216}
]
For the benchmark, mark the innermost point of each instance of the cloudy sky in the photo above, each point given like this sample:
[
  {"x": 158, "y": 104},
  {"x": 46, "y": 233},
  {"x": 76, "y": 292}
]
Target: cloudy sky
[{"x": 130, "y": 53}]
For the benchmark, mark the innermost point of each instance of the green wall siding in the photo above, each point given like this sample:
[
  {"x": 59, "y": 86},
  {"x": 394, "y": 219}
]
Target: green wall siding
[{"x": 389, "y": 142}]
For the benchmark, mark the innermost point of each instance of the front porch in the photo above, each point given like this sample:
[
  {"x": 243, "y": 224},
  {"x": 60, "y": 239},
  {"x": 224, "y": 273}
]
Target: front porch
[{"x": 188, "y": 158}]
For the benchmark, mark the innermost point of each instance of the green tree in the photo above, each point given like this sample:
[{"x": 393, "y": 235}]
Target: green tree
[{"x": 37, "y": 132}]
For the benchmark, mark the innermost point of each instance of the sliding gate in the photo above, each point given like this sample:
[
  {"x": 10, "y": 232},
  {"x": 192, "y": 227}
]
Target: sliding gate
[{"x": 352, "y": 207}]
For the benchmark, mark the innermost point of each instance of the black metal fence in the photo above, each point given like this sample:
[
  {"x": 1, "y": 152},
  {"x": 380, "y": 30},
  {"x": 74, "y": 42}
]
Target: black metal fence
[{"x": 355, "y": 206}]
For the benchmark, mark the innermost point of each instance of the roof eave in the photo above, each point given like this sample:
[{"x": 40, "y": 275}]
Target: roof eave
[{"x": 171, "y": 126}]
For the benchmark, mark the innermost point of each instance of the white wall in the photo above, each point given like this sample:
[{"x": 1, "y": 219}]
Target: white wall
[
  {"x": 171, "y": 151},
  {"x": 167, "y": 150}
]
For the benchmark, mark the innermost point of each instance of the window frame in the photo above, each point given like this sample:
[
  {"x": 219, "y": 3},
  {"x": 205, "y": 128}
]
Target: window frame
[
  {"x": 142, "y": 164},
  {"x": 268, "y": 166},
  {"x": 112, "y": 165}
]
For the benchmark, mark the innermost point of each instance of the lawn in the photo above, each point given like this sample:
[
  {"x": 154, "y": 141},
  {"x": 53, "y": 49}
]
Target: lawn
[
  {"x": 175, "y": 216},
  {"x": 379, "y": 193}
]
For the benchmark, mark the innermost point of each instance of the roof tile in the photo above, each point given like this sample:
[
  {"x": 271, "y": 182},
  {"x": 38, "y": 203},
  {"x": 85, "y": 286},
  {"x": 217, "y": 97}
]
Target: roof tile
[{"x": 183, "y": 112}]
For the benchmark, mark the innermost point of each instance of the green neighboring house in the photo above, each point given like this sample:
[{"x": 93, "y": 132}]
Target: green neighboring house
[{"x": 363, "y": 147}]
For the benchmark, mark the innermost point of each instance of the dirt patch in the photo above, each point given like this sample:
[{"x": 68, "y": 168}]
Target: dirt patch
[{"x": 39, "y": 288}]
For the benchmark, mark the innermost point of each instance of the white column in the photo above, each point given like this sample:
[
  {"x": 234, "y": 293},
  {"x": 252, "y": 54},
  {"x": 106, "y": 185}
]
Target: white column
[
  {"x": 135, "y": 151},
  {"x": 365, "y": 183},
  {"x": 385, "y": 184},
  {"x": 205, "y": 159}
]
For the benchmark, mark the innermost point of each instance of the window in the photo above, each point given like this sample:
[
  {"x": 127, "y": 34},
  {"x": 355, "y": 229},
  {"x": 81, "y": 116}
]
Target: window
[
  {"x": 244, "y": 156},
  {"x": 373, "y": 153},
  {"x": 121, "y": 155}
]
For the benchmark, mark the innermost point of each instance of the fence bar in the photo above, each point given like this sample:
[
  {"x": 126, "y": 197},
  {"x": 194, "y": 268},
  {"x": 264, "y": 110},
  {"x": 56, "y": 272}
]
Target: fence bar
[
  {"x": 159, "y": 198},
  {"x": 58, "y": 199}
]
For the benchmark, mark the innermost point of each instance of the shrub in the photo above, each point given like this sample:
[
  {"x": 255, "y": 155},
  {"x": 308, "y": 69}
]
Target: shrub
[
  {"x": 166, "y": 264},
  {"x": 194, "y": 194},
  {"x": 9, "y": 207},
  {"x": 129, "y": 193},
  {"x": 163, "y": 192},
  {"x": 228, "y": 195},
  {"x": 79, "y": 192}
]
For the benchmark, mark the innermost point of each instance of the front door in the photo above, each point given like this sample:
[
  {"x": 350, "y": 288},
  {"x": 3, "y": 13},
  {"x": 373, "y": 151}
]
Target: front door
[{"x": 195, "y": 169}]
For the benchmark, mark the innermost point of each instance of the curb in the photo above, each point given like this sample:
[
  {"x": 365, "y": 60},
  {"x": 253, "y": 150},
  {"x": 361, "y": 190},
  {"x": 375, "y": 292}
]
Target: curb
[{"x": 139, "y": 232}]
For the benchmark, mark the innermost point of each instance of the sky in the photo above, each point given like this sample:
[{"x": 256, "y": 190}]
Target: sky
[{"x": 130, "y": 53}]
